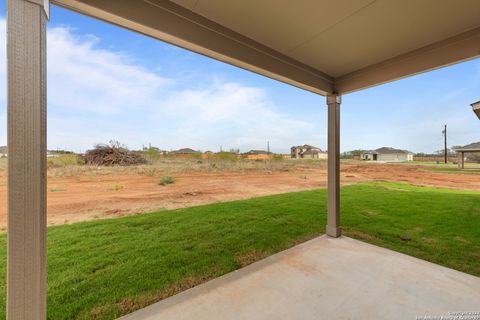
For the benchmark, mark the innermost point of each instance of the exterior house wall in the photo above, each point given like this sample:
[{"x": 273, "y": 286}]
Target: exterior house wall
[
  {"x": 366, "y": 156},
  {"x": 387, "y": 157},
  {"x": 395, "y": 157},
  {"x": 310, "y": 156}
]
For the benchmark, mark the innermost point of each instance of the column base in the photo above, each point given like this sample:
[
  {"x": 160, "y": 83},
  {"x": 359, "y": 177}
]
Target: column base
[{"x": 334, "y": 232}]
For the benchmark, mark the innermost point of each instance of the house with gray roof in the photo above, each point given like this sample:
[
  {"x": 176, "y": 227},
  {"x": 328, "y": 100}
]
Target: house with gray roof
[
  {"x": 387, "y": 154},
  {"x": 186, "y": 151}
]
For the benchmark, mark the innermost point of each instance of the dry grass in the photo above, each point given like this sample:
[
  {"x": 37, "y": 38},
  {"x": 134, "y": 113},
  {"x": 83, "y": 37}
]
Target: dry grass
[
  {"x": 67, "y": 166},
  {"x": 172, "y": 166},
  {"x": 250, "y": 257},
  {"x": 3, "y": 164}
]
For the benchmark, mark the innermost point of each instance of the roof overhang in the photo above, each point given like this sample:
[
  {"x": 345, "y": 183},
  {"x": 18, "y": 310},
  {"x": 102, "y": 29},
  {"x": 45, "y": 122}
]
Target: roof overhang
[
  {"x": 476, "y": 108},
  {"x": 319, "y": 45}
]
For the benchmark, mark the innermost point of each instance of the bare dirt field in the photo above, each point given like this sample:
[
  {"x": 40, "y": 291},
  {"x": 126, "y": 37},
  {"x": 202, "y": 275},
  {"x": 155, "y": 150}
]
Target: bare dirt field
[{"x": 79, "y": 194}]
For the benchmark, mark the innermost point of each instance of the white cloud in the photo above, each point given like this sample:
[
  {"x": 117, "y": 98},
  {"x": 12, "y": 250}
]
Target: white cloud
[
  {"x": 95, "y": 95},
  {"x": 82, "y": 76}
]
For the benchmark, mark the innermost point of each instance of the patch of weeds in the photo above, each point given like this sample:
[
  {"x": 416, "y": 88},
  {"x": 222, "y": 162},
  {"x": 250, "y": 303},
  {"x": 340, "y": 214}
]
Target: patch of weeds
[
  {"x": 360, "y": 235},
  {"x": 129, "y": 305},
  {"x": 57, "y": 189},
  {"x": 64, "y": 160},
  {"x": 166, "y": 180},
  {"x": 251, "y": 257},
  {"x": 150, "y": 172},
  {"x": 116, "y": 187}
]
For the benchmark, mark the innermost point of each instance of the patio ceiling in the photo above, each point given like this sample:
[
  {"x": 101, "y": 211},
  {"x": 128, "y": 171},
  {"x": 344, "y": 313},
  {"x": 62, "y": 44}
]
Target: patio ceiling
[{"x": 323, "y": 46}]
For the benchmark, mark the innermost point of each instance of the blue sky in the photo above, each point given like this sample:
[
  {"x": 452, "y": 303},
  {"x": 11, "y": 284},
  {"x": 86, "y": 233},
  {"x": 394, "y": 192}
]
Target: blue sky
[{"x": 106, "y": 83}]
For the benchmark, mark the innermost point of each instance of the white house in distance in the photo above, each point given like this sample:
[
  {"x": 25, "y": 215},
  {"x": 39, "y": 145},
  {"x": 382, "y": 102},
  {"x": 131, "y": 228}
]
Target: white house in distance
[
  {"x": 307, "y": 152},
  {"x": 387, "y": 154},
  {"x": 3, "y": 151}
]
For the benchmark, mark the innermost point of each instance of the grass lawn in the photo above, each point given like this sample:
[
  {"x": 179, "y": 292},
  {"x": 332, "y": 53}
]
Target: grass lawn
[
  {"x": 456, "y": 170},
  {"x": 102, "y": 269},
  {"x": 437, "y": 163}
]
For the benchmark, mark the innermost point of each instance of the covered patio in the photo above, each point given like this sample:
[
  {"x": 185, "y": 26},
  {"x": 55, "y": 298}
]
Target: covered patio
[
  {"x": 327, "y": 278},
  {"x": 326, "y": 47},
  {"x": 470, "y": 148}
]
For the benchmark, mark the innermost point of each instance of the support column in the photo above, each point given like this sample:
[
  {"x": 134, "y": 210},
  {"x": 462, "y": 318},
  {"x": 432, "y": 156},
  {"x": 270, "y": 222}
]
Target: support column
[
  {"x": 26, "y": 56},
  {"x": 333, "y": 218},
  {"x": 463, "y": 160}
]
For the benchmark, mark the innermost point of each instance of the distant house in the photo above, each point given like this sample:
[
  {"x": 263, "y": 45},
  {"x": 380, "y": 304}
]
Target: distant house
[
  {"x": 52, "y": 154},
  {"x": 387, "y": 154},
  {"x": 186, "y": 151},
  {"x": 3, "y": 151},
  {"x": 307, "y": 152}
]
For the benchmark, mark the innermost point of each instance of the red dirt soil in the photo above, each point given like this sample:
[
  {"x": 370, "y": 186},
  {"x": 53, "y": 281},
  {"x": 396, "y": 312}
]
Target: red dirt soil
[{"x": 81, "y": 198}]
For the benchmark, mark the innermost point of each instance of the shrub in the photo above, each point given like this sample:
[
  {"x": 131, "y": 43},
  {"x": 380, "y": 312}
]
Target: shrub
[
  {"x": 149, "y": 171},
  {"x": 116, "y": 187},
  {"x": 63, "y": 160},
  {"x": 166, "y": 180}
]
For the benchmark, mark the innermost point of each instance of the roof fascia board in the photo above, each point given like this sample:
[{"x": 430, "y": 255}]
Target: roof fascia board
[
  {"x": 476, "y": 108},
  {"x": 468, "y": 150}
]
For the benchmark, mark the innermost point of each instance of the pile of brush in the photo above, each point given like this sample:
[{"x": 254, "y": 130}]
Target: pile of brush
[{"x": 112, "y": 154}]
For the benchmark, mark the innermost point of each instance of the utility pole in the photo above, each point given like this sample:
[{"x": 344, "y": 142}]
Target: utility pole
[
  {"x": 445, "y": 141},
  {"x": 268, "y": 147}
]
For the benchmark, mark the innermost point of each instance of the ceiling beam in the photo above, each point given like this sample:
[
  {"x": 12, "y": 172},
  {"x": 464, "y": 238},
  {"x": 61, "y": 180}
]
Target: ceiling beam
[
  {"x": 169, "y": 22},
  {"x": 456, "y": 49}
]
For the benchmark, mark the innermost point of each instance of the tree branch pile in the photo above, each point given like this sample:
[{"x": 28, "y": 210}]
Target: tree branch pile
[{"x": 112, "y": 154}]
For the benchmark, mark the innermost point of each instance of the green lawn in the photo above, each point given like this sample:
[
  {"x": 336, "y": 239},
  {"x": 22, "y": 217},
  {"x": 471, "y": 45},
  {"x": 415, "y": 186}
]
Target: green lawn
[
  {"x": 102, "y": 269},
  {"x": 456, "y": 170}
]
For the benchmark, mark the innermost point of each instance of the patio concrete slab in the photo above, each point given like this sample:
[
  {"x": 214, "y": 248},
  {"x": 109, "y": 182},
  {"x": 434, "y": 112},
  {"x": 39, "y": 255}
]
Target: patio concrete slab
[{"x": 326, "y": 278}]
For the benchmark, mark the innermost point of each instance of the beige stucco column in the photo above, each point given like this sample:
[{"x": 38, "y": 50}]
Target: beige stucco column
[
  {"x": 333, "y": 218},
  {"x": 26, "y": 56}
]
